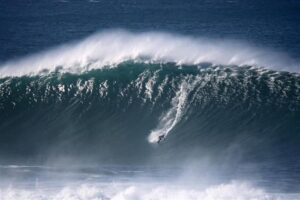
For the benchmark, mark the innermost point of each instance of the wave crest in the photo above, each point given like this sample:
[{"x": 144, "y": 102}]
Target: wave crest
[{"x": 110, "y": 48}]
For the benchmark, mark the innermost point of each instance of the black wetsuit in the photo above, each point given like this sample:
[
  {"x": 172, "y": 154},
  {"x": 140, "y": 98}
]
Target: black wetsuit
[{"x": 160, "y": 138}]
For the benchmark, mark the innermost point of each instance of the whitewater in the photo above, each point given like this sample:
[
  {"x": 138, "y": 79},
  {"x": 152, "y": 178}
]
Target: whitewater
[
  {"x": 121, "y": 191},
  {"x": 57, "y": 184}
]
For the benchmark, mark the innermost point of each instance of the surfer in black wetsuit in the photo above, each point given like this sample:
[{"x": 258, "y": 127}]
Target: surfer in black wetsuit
[{"x": 160, "y": 138}]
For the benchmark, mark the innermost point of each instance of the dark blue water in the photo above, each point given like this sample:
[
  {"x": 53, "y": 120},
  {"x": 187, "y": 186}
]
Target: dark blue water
[{"x": 28, "y": 26}]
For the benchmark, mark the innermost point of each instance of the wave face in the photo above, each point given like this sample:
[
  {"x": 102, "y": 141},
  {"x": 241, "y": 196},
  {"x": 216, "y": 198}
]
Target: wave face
[
  {"x": 228, "y": 113},
  {"x": 111, "y": 48}
]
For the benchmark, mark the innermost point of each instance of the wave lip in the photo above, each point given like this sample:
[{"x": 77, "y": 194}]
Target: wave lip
[{"x": 113, "y": 47}]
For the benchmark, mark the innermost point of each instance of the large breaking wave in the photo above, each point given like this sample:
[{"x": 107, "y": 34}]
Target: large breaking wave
[
  {"x": 109, "y": 98},
  {"x": 110, "y": 113}
]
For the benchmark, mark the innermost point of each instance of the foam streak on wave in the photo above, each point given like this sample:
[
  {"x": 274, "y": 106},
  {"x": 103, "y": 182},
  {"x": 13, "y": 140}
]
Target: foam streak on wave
[
  {"x": 175, "y": 113},
  {"x": 110, "y": 48}
]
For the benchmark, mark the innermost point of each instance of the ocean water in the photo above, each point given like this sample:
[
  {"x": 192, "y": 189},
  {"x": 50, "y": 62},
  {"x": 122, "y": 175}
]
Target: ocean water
[{"x": 149, "y": 100}]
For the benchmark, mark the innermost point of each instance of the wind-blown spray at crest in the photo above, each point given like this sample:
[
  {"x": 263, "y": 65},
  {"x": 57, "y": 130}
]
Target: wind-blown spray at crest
[{"x": 107, "y": 49}]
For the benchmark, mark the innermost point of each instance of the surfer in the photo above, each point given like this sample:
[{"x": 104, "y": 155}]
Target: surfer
[{"x": 160, "y": 138}]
